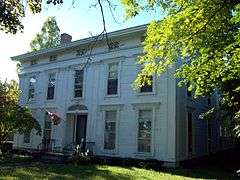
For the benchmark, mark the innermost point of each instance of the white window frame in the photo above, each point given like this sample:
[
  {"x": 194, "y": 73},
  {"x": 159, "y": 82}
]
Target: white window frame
[
  {"x": 118, "y": 109},
  {"x": 146, "y": 106},
  {"x": 45, "y": 119},
  {"x": 35, "y": 88},
  {"x": 73, "y": 83},
  {"x": 106, "y": 78},
  {"x": 105, "y": 112},
  {"x": 154, "y": 85},
  {"x": 55, "y": 87}
]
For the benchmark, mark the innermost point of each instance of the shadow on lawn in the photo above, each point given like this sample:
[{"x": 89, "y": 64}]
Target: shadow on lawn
[{"x": 67, "y": 172}]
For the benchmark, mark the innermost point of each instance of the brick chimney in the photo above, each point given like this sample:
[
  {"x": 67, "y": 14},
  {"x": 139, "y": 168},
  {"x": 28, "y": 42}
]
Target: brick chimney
[{"x": 65, "y": 38}]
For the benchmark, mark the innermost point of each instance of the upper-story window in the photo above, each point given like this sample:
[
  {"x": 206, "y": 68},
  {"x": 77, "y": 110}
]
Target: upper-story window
[
  {"x": 51, "y": 85},
  {"x": 33, "y": 62},
  {"x": 147, "y": 87},
  {"x": 78, "y": 83},
  {"x": 53, "y": 58},
  {"x": 31, "y": 88},
  {"x": 112, "y": 83},
  {"x": 144, "y": 130},
  {"x": 113, "y": 45}
]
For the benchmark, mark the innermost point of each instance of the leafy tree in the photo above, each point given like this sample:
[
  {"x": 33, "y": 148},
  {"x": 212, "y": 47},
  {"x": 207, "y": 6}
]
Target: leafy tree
[
  {"x": 11, "y": 13},
  {"x": 14, "y": 118},
  {"x": 205, "y": 36},
  {"x": 48, "y": 37}
]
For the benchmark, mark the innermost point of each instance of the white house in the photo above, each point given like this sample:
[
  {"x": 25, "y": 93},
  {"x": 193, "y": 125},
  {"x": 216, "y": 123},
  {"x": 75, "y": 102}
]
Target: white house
[{"x": 96, "y": 102}]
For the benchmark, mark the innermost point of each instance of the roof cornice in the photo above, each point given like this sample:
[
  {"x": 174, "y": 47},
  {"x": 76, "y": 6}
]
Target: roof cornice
[{"x": 77, "y": 43}]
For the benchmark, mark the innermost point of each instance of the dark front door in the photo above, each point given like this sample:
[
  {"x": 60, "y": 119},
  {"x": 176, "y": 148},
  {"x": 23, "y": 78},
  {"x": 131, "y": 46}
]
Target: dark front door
[{"x": 81, "y": 127}]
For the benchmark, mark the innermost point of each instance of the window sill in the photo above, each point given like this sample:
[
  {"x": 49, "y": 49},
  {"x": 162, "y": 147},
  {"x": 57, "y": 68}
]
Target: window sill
[
  {"x": 112, "y": 96},
  {"x": 146, "y": 93},
  {"x": 110, "y": 152},
  {"x": 50, "y": 100},
  {"x": 144, "y": 154},
  {"x": 77, "y": 98}
]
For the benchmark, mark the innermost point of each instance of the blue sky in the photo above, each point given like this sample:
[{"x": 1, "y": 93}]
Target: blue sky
[{"x": 79, "y": 21}]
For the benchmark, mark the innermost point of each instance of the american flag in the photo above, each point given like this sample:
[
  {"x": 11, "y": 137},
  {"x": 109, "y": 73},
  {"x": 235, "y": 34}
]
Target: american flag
[{"x": 54, "y": 118}]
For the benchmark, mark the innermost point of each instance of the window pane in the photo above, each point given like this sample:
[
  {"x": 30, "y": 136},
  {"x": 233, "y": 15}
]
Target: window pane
[
  {"x": 50, "y": 93},
  {"x": 78, "y": 93},
  {"x": 113, "y": 67},
  {"x": 51, "y": 85},
  {"x": 31, "y": 88},
  {"x": 47, "y": 134},
  {"x": 26, "y": 137},
  {"x": 110, "y": 130},
  {"x": 78, "y": 83},
  {"x": 144, "y": 145},
  {"x": 109, "y": 141},
  {"x": 147, "y": 87},
  {"x": 110, "y": 126},
  {"x": 112, "y": 86},
  {"x": 111, "y": 115},
  {"x": 144, "y": 130}
]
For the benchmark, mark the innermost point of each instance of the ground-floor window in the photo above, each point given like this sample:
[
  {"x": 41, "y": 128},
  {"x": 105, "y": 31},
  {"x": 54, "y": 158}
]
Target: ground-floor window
[
  {"x": 26, "y": 137},
  {"x": 110, "y": 130},
  {"x": 47, "y": 127},
  {"x": 144, "y": 130}
]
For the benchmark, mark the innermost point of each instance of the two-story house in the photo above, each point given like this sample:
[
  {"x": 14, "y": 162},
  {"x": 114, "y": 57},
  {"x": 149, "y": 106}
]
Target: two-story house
[{"x": 95, "y": 100}]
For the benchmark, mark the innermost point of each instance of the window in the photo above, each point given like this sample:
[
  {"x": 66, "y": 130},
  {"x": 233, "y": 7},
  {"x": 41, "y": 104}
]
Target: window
[
  {"x": 78, "y": 83},
  {"x": 110, "y": 130},
  {"x": 147, "y": 87},
  {"x": 81, "y": 52},
  {"x": 47, "y": 127},
  {"x": 31, "y": 89},
  {"x": 26, "y": 137},
  {"x": 144, "y": 130},
  {"x": 112, "y": 83},
  {"x": 51, "y": 86},
  {"x": 53, "y": 58},
  {"x": 114, "y": 45},
  {"x": 33, "y": 62},
  {"x": 190, "y": 133}
]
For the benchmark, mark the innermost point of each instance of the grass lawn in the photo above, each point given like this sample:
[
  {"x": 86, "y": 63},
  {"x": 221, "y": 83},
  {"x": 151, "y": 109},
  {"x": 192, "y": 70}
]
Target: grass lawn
[{"x": 58, "y": 171}]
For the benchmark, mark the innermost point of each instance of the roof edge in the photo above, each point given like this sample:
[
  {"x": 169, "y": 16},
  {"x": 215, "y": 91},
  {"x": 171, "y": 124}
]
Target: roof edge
[{"x": 72, "y": 44}]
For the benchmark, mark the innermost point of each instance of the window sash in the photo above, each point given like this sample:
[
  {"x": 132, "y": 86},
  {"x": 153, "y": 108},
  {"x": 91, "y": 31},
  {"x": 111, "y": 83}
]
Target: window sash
[
  {"x": 144, "y": 131},
  {"x": 112, "y": 82},
  {"x": 31, "y": 88},
  {"x": 51, "y": 86},
  {"x": 78, "y": 83},
  {"x": 47, "y": 127},
  {"x": 146, "y": 87},
  {"x": 110, "y": 130},
  {"x": 26, "y": 137}
]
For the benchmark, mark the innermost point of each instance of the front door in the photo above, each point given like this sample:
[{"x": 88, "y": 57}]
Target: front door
[{"x": 81, "y": 127}]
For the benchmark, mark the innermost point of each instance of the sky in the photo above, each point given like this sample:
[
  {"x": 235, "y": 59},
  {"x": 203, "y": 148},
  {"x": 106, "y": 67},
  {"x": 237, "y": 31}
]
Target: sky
[{"x": 79, "y": 20}]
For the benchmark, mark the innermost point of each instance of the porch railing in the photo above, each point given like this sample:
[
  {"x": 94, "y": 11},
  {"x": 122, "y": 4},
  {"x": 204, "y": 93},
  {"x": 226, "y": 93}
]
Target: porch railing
[
  {"x": 83, "y": 146},
  {"x": 46, "y": 145}
]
